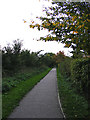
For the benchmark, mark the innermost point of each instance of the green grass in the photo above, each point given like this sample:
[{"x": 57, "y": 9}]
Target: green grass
[
  {"x": 73, "y": 104},
  {"x": 11, "y": 98},
  {"x": 11, "y": 81}
]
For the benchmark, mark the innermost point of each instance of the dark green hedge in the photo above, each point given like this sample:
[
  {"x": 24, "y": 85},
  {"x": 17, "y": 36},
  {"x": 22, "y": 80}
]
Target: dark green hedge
[
  {"x": 80, "y": 70},
  {"x": 65, "y": 69}
]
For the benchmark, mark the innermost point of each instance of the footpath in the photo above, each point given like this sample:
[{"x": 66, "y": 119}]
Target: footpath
[{"x": 41, "y": 101}]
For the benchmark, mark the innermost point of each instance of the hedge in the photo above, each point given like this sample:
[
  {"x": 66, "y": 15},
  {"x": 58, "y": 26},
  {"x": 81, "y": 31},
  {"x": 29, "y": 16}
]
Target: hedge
[
  {"x": 65, "y": 69},
  {"x": 80, "y": 70}
]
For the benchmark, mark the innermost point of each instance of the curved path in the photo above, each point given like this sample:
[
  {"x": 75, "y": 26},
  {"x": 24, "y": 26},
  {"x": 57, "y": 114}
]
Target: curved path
[{"x": 41, "y": 101}]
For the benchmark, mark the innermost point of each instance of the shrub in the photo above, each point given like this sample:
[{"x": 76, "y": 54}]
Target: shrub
[
  {"x": 5, "y": 87},
  {"x": 65, "y": 67},
  {"x": 80, "y": 74}
]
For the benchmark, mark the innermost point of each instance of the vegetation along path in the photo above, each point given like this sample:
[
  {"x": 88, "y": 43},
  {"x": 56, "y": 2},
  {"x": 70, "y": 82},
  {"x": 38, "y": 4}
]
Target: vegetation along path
[{"x": 41, "y": 101}]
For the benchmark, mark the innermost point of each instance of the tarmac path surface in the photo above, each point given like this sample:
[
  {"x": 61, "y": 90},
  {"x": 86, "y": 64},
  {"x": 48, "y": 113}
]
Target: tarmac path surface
[{"x": 41, "y": 101}]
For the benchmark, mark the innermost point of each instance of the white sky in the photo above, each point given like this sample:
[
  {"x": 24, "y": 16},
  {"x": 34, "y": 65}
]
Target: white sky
[{"x": 12, "y": 27}]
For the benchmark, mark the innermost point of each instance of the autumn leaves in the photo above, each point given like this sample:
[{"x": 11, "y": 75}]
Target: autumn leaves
[{"x": 68, "y": 23}]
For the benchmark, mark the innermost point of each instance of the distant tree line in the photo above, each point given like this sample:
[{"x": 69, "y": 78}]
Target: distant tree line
[{"x": 15, "y": 58}]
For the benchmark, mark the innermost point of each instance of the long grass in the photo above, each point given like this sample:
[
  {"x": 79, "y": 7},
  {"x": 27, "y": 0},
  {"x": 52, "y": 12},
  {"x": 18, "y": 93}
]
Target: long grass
[
  {"x": 73, "y": 104},
  {"x": 11, "y": 98}
]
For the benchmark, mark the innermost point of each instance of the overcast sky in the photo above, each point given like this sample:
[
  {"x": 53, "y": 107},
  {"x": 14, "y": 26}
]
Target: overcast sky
[{"x": 12, "y": 26}]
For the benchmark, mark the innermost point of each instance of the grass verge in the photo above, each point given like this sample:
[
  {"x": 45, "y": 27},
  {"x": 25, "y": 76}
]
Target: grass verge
[
  {"x": 74, "y": 105},
  {"x": 11, "y": 98},
  {"x": 9, "y": 82}
]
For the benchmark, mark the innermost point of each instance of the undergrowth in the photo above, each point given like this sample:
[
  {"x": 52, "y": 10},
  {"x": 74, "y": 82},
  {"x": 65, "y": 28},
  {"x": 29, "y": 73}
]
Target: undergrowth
[{"x": 73, "y": 104}]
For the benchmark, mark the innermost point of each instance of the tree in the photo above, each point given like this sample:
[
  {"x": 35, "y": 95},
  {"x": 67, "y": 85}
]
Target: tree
[
  {"x": 11, "y": 57},
  {"x": 17, "y": 44},
  {"x": 6, "y": 58},
  {"x": 68, "y": 23},
  {"x": 25, "y": 58},
  {"x": 47, "y": 59},
  {"x": 59, "y": 57}
]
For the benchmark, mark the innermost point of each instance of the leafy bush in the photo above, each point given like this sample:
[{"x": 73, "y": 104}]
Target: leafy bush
[
  {"x": 80, "y": 74},
  {"x": 5, "y": 86},
  {"x": 65, "y": 67}
]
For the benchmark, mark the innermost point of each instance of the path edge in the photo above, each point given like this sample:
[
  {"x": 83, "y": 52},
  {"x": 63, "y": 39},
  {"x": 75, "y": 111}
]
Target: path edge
[{"x": 59, "y": 99}]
